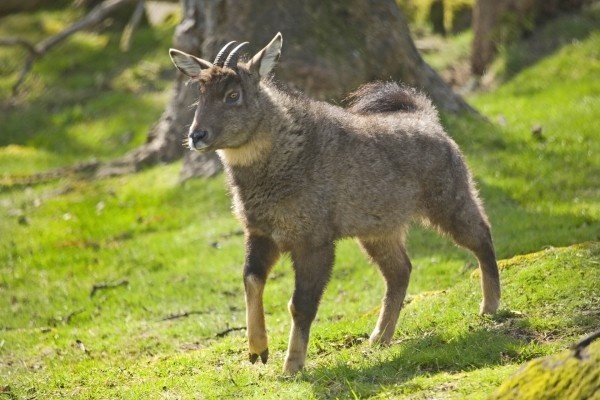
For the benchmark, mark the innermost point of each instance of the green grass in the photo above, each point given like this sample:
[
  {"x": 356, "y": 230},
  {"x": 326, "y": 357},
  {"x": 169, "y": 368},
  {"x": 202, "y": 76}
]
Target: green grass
[
  {"x": 173, "y": 248},
  {"x": 85, "y": 99},
  {"x": 417, "y": 12}
]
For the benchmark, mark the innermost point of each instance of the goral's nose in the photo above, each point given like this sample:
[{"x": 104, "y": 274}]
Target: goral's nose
[{"x": 198, "y": 135}]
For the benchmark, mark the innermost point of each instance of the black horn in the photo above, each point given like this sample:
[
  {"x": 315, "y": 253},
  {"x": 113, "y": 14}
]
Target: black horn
[
  {"x": 220, "y": 58},
  {"x": 232, "y": 58}
]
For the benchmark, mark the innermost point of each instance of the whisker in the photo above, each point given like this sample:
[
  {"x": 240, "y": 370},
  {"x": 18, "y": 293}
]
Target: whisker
[{"x": 185, "y": 142}]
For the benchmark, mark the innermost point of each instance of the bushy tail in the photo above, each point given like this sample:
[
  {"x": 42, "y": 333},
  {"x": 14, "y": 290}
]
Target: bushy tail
[{"x": 386, "y": 97}]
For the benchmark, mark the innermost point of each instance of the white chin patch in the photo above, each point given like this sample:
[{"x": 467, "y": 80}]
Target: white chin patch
[{"x": 197, "y": 146}]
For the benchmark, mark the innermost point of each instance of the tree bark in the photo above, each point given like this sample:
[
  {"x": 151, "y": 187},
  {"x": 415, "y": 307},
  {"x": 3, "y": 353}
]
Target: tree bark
[
  {"x": 491, "y": 19},
  {"x": 36, "y": 51},
  {"x": 330, "y": 48},
  {"x": 164, "y": 142},
  {"x": 498, "y": 22},
  {"x": 16, "y": 6}
]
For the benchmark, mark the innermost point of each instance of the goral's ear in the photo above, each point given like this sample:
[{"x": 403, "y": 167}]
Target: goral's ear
[
  {"x": 264, "y": 61},
  {"x": 188, "y": 64}
]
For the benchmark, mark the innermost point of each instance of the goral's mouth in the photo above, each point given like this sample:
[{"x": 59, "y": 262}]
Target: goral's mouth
[
  {"x": 199, "y": 139},
  {"x": 200, "y": 145}
]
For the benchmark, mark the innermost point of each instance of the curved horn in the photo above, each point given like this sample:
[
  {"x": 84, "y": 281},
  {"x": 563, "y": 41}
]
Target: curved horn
[
  {"x": 232, "y": 59},
  {"x": 220, "y": 59}
]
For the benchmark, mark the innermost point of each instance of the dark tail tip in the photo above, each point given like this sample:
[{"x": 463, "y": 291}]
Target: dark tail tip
[{"x": 384, "y": 97}]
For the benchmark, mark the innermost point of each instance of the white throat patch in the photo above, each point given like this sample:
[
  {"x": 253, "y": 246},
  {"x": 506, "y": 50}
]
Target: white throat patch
[{"x": 247, "y": 154}]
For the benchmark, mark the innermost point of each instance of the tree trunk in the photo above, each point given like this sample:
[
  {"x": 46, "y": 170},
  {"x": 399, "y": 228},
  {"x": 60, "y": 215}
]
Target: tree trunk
[
  {"x": 493, "y": 22},
  {"x": 16, "y": 6},
  {"x": 498, "y": 22},
  {"x": 164, "y": 143},
  {"x": 330, "y": 48}
]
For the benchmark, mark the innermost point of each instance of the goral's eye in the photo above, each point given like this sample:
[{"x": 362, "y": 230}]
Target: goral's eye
[{"x": 232, "y": 97}]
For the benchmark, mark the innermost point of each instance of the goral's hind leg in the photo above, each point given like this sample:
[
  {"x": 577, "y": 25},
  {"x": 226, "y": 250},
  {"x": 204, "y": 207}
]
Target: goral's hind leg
[
  {"x": 473, "y": 232},
  {"x": 390, "y": 256},
  {"x": 261, "y": 254},
  {"x": 469, "y": 228}
]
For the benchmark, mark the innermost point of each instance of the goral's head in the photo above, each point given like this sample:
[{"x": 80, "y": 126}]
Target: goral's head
[{"x": 229, "y": 102}]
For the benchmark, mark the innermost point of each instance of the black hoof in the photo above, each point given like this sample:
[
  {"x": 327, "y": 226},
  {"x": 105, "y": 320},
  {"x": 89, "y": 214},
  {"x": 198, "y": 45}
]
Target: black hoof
[
  {"x": 264, "y": 356},
  {"x": 253, "y": 358}
]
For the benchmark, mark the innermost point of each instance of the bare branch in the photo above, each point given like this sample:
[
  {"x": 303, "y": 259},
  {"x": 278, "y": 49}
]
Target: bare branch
[
  {"x": 229, "y": 330},
  {"x": 84, "y": 168},
  {"x": 585, "y": 342},
  {"x": 25, "y": 70},
  {"x": 68, "y": 317},
  {"x": 101, "y": 286},
  {"x": 30, "y": 47},
  {"x": 183, "y": 315},
  {"x": 132, "y": 25},
  {"x": 97, "y": 15}
]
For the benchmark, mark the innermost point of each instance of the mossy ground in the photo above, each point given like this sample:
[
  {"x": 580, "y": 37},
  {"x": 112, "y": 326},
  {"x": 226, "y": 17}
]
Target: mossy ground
[
  {"x": 174, "y": 250},
  {"x": 560, "y": 376}
]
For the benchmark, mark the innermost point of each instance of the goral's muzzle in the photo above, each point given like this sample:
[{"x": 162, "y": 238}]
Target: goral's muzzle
[{"x": 197, "y": 139}]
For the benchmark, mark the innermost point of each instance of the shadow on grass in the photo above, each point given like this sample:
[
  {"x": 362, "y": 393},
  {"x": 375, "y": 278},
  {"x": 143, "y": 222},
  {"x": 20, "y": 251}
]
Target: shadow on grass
[
  {"x": 506, "y": 340},
  {"x": 79, "y": 88},
  {"x": 519, "y": 230},
  {"x": 515, "y": 229},
  {"x": 550, "y": 38},
  {"x": 416, "y": 357},
  {"x": 524, "y": 193},
  {"x": 452, "y": 344}
]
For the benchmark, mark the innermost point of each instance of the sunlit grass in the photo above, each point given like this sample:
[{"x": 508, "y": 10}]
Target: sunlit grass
[
  {"x": 169, "y": 254},
  {"x": 85, "y": 99}
]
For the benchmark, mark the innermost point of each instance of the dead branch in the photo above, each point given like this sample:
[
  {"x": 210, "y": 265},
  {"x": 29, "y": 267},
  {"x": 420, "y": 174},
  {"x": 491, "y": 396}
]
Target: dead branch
[
  {"x": 585, "y": 342},
  {"x": 101, "y": 286},
  {"x": 229, "y": 330},
  {"x": 65, "y": 320},
  {"x": 7, "y": 328},
  {"x": 18, "y": 42},
  {"x": 68, "y": 317},
  {"x": 183, "y": 315},
  {"x": 86, "y": 168},
  {"x": 95, "y": 16},
  {"x": 133, "y": 23}
]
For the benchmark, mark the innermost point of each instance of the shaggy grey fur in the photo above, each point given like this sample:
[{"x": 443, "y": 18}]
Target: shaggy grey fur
[{"x": 304, "y": 174}]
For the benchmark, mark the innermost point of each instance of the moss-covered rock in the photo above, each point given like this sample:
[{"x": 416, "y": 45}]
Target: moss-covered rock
[{"x": 563, "y": 376}]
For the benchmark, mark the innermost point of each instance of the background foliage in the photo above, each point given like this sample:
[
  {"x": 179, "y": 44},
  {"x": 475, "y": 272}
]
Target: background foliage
[{"x": 166, "y": 317}]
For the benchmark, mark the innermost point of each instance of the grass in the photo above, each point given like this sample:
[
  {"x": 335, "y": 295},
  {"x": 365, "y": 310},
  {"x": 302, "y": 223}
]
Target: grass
[
  {"x": 66, "y": 109},
  {"x": 417, "y": 12},
  {"x": 169, "y": 254}
]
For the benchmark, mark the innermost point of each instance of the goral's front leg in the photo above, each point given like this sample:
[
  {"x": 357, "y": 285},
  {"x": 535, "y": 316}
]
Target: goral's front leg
[
  {"x": 312, "y": 266},
  {"x": 255, "y": 319},
  {"x": 261, "y": 254}
]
